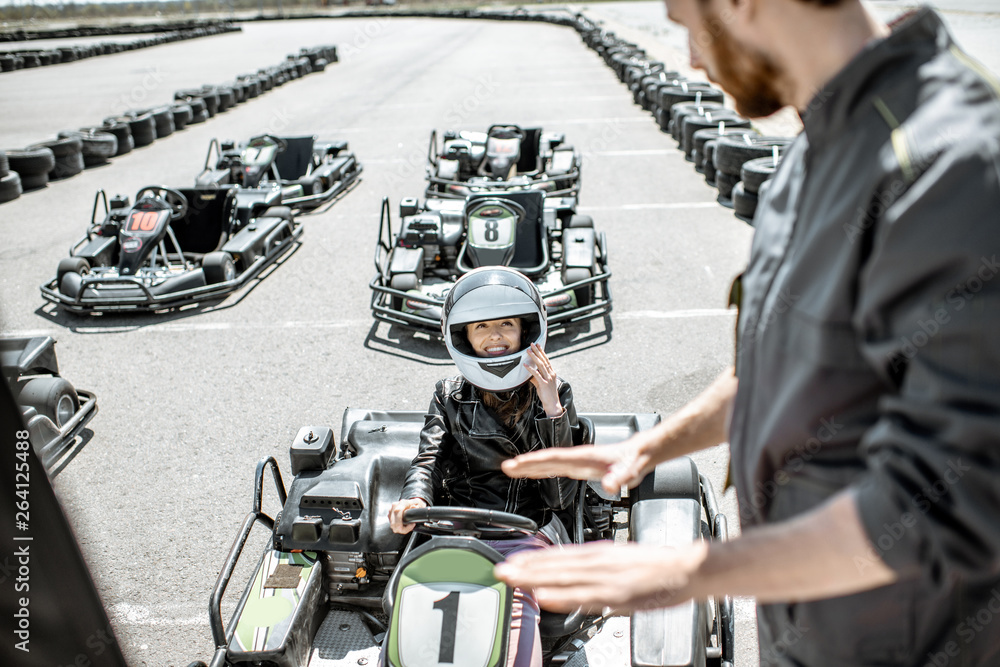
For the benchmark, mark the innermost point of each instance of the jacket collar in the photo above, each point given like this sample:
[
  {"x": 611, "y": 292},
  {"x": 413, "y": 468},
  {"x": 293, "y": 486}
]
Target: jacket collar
[{"x": 920, "y": 33}]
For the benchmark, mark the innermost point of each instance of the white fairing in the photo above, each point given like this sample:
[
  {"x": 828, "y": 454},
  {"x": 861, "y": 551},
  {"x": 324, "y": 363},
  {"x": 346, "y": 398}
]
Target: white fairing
[{"x": 471, "y": 628}]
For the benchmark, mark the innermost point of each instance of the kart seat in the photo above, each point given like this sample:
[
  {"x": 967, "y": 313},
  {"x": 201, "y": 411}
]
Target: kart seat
[
  {"x": 293, "y": 162},
  {"x": 208, "y": 221},
  {"x": 531, "y": 252},
  {"x": 528, "y": 161}
]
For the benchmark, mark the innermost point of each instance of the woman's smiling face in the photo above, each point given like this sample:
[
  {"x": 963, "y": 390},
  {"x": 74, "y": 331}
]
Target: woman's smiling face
[{"x": 495, "y": 338}]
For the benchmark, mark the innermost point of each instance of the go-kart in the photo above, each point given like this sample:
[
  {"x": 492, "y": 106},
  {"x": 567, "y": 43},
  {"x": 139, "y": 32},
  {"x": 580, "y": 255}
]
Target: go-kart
[
  {"x": 335, "y": 586},
  {"x": 53, "y": 410},
  {"x": 172, "y": 247},
  {"x": 539, "y": 235},
  {"x": 310, "y": 172},
  {"x": 504, "y": 158}
]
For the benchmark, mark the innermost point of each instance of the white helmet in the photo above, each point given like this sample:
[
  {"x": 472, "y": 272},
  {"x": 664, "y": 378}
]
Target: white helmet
[{"x": 492, "y": 293}]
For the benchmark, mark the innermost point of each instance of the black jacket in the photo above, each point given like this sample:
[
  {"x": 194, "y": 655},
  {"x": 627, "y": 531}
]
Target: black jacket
[
  {"x": 463, "y": 444},
  {"x": 868, "y": 355}
]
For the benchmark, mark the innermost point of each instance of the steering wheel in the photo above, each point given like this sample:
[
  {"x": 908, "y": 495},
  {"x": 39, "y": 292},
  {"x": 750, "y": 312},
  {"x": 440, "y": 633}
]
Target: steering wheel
[
  {"x": 469, "y": 522},
  {"x": 278, "y": 141},
  {"x": 177, "y": 202}
]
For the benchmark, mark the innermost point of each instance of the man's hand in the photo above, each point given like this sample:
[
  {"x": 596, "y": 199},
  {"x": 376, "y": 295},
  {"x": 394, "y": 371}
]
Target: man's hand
[
  {"x": 618, "y": 465},
  {"x": 396, "y": 514},
  {"x": 594, "y": 576}
]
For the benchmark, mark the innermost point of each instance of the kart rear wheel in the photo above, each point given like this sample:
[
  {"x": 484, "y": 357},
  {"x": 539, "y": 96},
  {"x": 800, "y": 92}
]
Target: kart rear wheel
[
  {"x": 219, "y": 267},
  {"x": 53, "y": 397},
  {"x": 584, "y": 295},
  {"x": 71, "y": 264}
]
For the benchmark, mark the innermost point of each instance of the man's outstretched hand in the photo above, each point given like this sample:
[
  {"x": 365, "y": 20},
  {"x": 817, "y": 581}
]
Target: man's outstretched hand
[
  {"x": 594, "y": 576},
  {"x": 615, "y": 466}
]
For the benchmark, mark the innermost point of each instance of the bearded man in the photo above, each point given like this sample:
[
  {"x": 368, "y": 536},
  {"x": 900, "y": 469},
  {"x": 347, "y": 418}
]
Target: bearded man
[{"x": 863, "y": 411}]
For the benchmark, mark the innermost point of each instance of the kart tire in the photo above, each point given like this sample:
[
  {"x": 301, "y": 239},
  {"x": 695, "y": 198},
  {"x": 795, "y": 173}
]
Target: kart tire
[
  {"x": 71, "y": 265},
  {"x": 757, "y": 171},
  {"x": 4, "y": 165},
  {"x": 682, "y": 110},
  {"x": 211, "y": 98},
  {"x": 693, "y": 123},
  {"x": 744, "y": 203},
  {"x": 143, "y": 129},
  {"x": 219, "y": 267},
  {"x": 34, "y": 181},
  {"x": 584, "y": 295},
  {"x": 725, "y": 183},
  {"x": 71, "y": 284},
  {"x": 122, "y": 133},
  {"x": 68, "y": 156},
  {"x": 10, "y": 186},
  {"x": 183, "y": 113},
  {"x": 576, "y": 221},
  {"x": 31, "y": 161},
  {"x": 671, "y": 95},
  {"x": 732, "y": 152},
  {"x": 53, "y": 397},
  {"x": 163, "y": 121},
  {"x": 708, "y": 162},
  {"x": 227, "y": 98},
  {"x": 98, "y": 145},
  {"x": 404, "y": 282}
]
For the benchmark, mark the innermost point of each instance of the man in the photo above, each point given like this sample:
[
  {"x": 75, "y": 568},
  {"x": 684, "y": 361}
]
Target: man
[{"x": 864, "y": 411}]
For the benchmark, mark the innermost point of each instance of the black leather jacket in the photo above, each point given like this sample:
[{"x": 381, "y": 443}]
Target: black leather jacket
[{"x": 463, "y": 443}]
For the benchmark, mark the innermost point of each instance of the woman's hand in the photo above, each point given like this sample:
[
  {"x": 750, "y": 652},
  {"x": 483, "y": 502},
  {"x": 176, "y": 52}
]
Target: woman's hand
[
  {"x": 544, "y": 379},
  {"x": 396, "y": 514}
]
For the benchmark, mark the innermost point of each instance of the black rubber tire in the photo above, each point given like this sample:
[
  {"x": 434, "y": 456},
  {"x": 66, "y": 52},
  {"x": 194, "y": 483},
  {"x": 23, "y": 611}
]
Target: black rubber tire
[
  {"x": 68, "y": 152},
  {"x": 98, "y": 145},
  {"x": 53, "y": 397},
  {"x": 756, "y": 171},
  {"x": 31, "y": 60},
  {"x": 725, "y": 183},
  {"x": 584, "y": 295},
  {"x": 683, "y": 109},
  {"x": 732, "y": 152},
  {"x": 6, "y": 63},
  {"x": 4, "y": 165},
  {"x": 71, "y": 264},
  {"x": 34, "y": 181},
  {"x": 183, "y": 114},
  {"x": 219, "y": 267},
  {"x": 692, "y": 122},
  {"x": 708, "y": 162},
  {"x": 122, "y": 133},
  {"x": 163, "y": 121},
  {"x": 744, "y": 203},
  {"x": 64, "y": 146},
  {"x": 403, "y": 282},
  {"x": 142, "y": 127},
  {"x": 10, "y": 186},
  {"x": 211, "y": 98},
  {"x": 227, "y": 99},
  {"x": 701, "y": 137},
  {"x": 687, "y": 92}
]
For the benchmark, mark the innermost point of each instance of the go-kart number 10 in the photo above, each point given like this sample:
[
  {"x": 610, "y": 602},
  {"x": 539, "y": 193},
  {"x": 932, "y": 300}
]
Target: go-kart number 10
[
  {"x": 143, "y": 221},
  {"x": 448, "y": 623}
]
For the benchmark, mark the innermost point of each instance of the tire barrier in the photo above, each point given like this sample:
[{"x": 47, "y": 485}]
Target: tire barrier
[
  {"x": 27, "y": 58},
  {"x": 74, "y": 150}
]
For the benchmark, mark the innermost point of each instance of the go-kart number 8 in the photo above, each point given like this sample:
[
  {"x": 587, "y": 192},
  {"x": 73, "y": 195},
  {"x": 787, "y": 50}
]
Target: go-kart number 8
[
  {"x": 143, "y": 221},
  {"x": 447, "y": 623}
]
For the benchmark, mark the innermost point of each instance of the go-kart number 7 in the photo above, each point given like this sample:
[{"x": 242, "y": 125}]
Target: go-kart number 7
[{"x": 143, "y": 221}]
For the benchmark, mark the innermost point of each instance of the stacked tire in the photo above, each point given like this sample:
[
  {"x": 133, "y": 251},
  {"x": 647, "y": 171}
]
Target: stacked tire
[
  {"x": 732, "y": 152},
  {"x": 32, "y": 165},
  {"x": 755, "y": 176},
  {"x": 10, "y": 181}
]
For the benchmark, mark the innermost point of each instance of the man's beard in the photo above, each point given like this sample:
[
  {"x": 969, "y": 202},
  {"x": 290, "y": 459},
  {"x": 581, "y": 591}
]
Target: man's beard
[{"x": 749, "y": 76}]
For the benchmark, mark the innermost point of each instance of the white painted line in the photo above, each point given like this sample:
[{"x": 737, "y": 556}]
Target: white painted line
[
  {"x": 129, "y": 614},
  {"x": 642, "y": 207},
  {"x": 185, "y": 327},
  {"x": 674, "y": 314},
  {"x": 630, "y": 153}
]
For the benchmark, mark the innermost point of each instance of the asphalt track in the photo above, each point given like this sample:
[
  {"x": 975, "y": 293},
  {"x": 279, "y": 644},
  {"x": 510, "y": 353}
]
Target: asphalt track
[{"x": 190, "y": 400}]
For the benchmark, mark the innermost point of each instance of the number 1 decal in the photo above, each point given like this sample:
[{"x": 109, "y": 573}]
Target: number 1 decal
[{"x": 449, "y": 625}]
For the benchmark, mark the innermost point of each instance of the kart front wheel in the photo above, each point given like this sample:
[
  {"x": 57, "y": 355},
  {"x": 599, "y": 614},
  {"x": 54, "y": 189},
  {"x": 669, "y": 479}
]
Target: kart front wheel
[
  {"x": 53, "y": 397},
  {"x": 219, "y": 267},
  {"x": 71, "y": 265},
  {"x": 584, "y": 295}
]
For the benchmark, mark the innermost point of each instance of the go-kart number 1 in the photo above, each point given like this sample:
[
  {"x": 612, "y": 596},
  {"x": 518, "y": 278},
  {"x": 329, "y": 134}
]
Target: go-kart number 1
[
  {"x": 448, "y": 623},
  {"x": 143, "y": 221}
]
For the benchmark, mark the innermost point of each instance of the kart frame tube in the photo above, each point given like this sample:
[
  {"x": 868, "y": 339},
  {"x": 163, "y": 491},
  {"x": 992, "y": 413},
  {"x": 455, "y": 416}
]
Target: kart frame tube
[
  {"x": 220, "y": 635},
  {"x": 339, "y": 188},
  {"x": 56, "y": 450}
]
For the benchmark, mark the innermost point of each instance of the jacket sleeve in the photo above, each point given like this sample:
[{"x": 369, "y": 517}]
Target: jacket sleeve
[
  {"x": 563, "y": 431},
  {"x": 424, "y": 478},
  {"x": 929, "y": 315}
]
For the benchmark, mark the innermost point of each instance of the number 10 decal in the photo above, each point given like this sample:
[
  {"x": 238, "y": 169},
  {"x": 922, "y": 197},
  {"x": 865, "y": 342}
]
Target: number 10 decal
[{"x": 143, "y": 221}]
